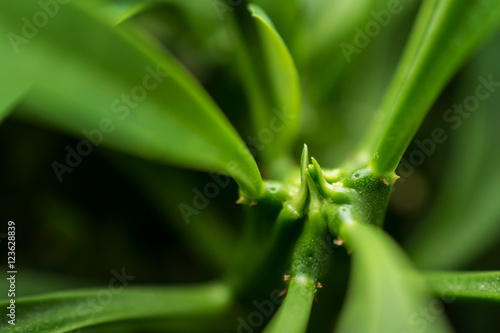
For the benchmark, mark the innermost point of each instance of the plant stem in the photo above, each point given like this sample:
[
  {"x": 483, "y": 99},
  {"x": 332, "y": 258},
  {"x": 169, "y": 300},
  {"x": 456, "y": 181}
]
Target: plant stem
[
  {"x": 307, "y": 266},
  {"x": 293, "y": 315},
  {"x": 267, "y": 249}
]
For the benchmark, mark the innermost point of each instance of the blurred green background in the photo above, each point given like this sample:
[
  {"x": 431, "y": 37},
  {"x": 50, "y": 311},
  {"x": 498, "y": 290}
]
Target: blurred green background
[{"x": 116, "y": 211}]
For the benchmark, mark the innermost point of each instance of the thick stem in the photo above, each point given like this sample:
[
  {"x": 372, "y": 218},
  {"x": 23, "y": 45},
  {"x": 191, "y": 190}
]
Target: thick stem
[{"x": 307, "y": 266}]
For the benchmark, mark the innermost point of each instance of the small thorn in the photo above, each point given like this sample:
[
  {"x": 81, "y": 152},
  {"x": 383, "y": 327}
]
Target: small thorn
[
  {"x": 338, "y": 241},
  {"x": 320, "y": 177},
  {"x": 286, "y": 277},
  {"x": 240, "y": 201},
  {"x": 283, "y": 293},
  {"x": 253, "y": 203},
  {"x": 304, "y": 162},
  {"x": 315, "y": 298},
  {"x": 384, "y": 181},
  {"x": 319, "y": 285}
]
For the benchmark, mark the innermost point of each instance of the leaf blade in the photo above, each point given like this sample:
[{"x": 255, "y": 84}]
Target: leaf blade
[
  {"x": 66, "y": 311},
  {"x": 192, "y": 133},
  {"x": 272, "y": 85},
  {"x": 283, "y": 76},
  {"x": 394, "y": 292},
  {"x": 468, "y": 286},
  {"x": 466, "y": 211},
  {"x": 445, "y": 35}
]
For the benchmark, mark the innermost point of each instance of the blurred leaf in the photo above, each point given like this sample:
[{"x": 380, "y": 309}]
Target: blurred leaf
[
  {"x": 284, "y": 81},
  {"x": 470, "y": 286},
  {"x": 34, "y": 282},
  {"x": 9, "y": 97},
  {"x": 445, "y": 35},
  {"x": 120, "y": 11},
  {"x": 117, "y": 89},
  {"x": 12, "y": 91},
  {"x": 272, "y": 86},
  {"x": 349, "y": 98},
  {"x": 465, "y": 209},
  {"x": 66, "y": 311},
  {"x": 285, "y": 15},
  {"x": 332, "y": 37},
  {"x": 463, "y": 212},
  {"x": 385, "y": 291}
]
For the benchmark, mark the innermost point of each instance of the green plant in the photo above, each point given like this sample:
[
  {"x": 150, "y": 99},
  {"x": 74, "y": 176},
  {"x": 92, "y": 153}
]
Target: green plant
[{"x": 97, "y": 70}]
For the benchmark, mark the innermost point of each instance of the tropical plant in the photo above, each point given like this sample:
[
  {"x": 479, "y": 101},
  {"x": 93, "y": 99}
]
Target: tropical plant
[{"x": 100, "y": 120}]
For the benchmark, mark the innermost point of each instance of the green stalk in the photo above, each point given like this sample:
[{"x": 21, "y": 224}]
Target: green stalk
[
  {"x": 262, "y": 250},
  {"x": 307, "y": 266},
  {"x": 293, "y": 315}
]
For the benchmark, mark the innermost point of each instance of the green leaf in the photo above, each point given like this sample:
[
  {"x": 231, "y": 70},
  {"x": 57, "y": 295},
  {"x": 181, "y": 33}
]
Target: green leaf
[
  {"x": 122, "y": 90},
  {"x": 9, "y": 97},
  {"x": 385, "y": 292},
  {"x": 284, "y": 14},
  {"x": 36, "y": 282},
  {"x": 66, "y": 311},
  {"x": 469, "y": 286},
  {"x": 121, "y": 11},
  {"x": 466, "y": 211},
  {"x": 446, "y": 34},
  {"x": 273, "y": 88},
  {"x": 284, "y": 79},
  {"x": 330, "y": 39},
  {"x": 12, "y": 91}
]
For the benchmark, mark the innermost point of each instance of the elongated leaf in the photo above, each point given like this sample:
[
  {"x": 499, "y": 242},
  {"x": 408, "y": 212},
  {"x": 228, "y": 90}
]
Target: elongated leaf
[
  {"x": 120, "y": 11},
  {"x": 9, "y": 97},
  {"x": 284, "y": 14},
  {"x": 117, "y": 89},
  {"x": 272, "y": 86},
  {"x": 477, "y": 286},
  {"x": 284, "y": 81},
  {"x": 385, "y": 292},
  {"x": 63, "y": 312},
  {"x": 12, "y": 90},
  {"x": 466, "y": 211},
  {"x": 36, "y": 282},
  {"x": 445, "y": 35},
  {"x": 332, "y": 37}
]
